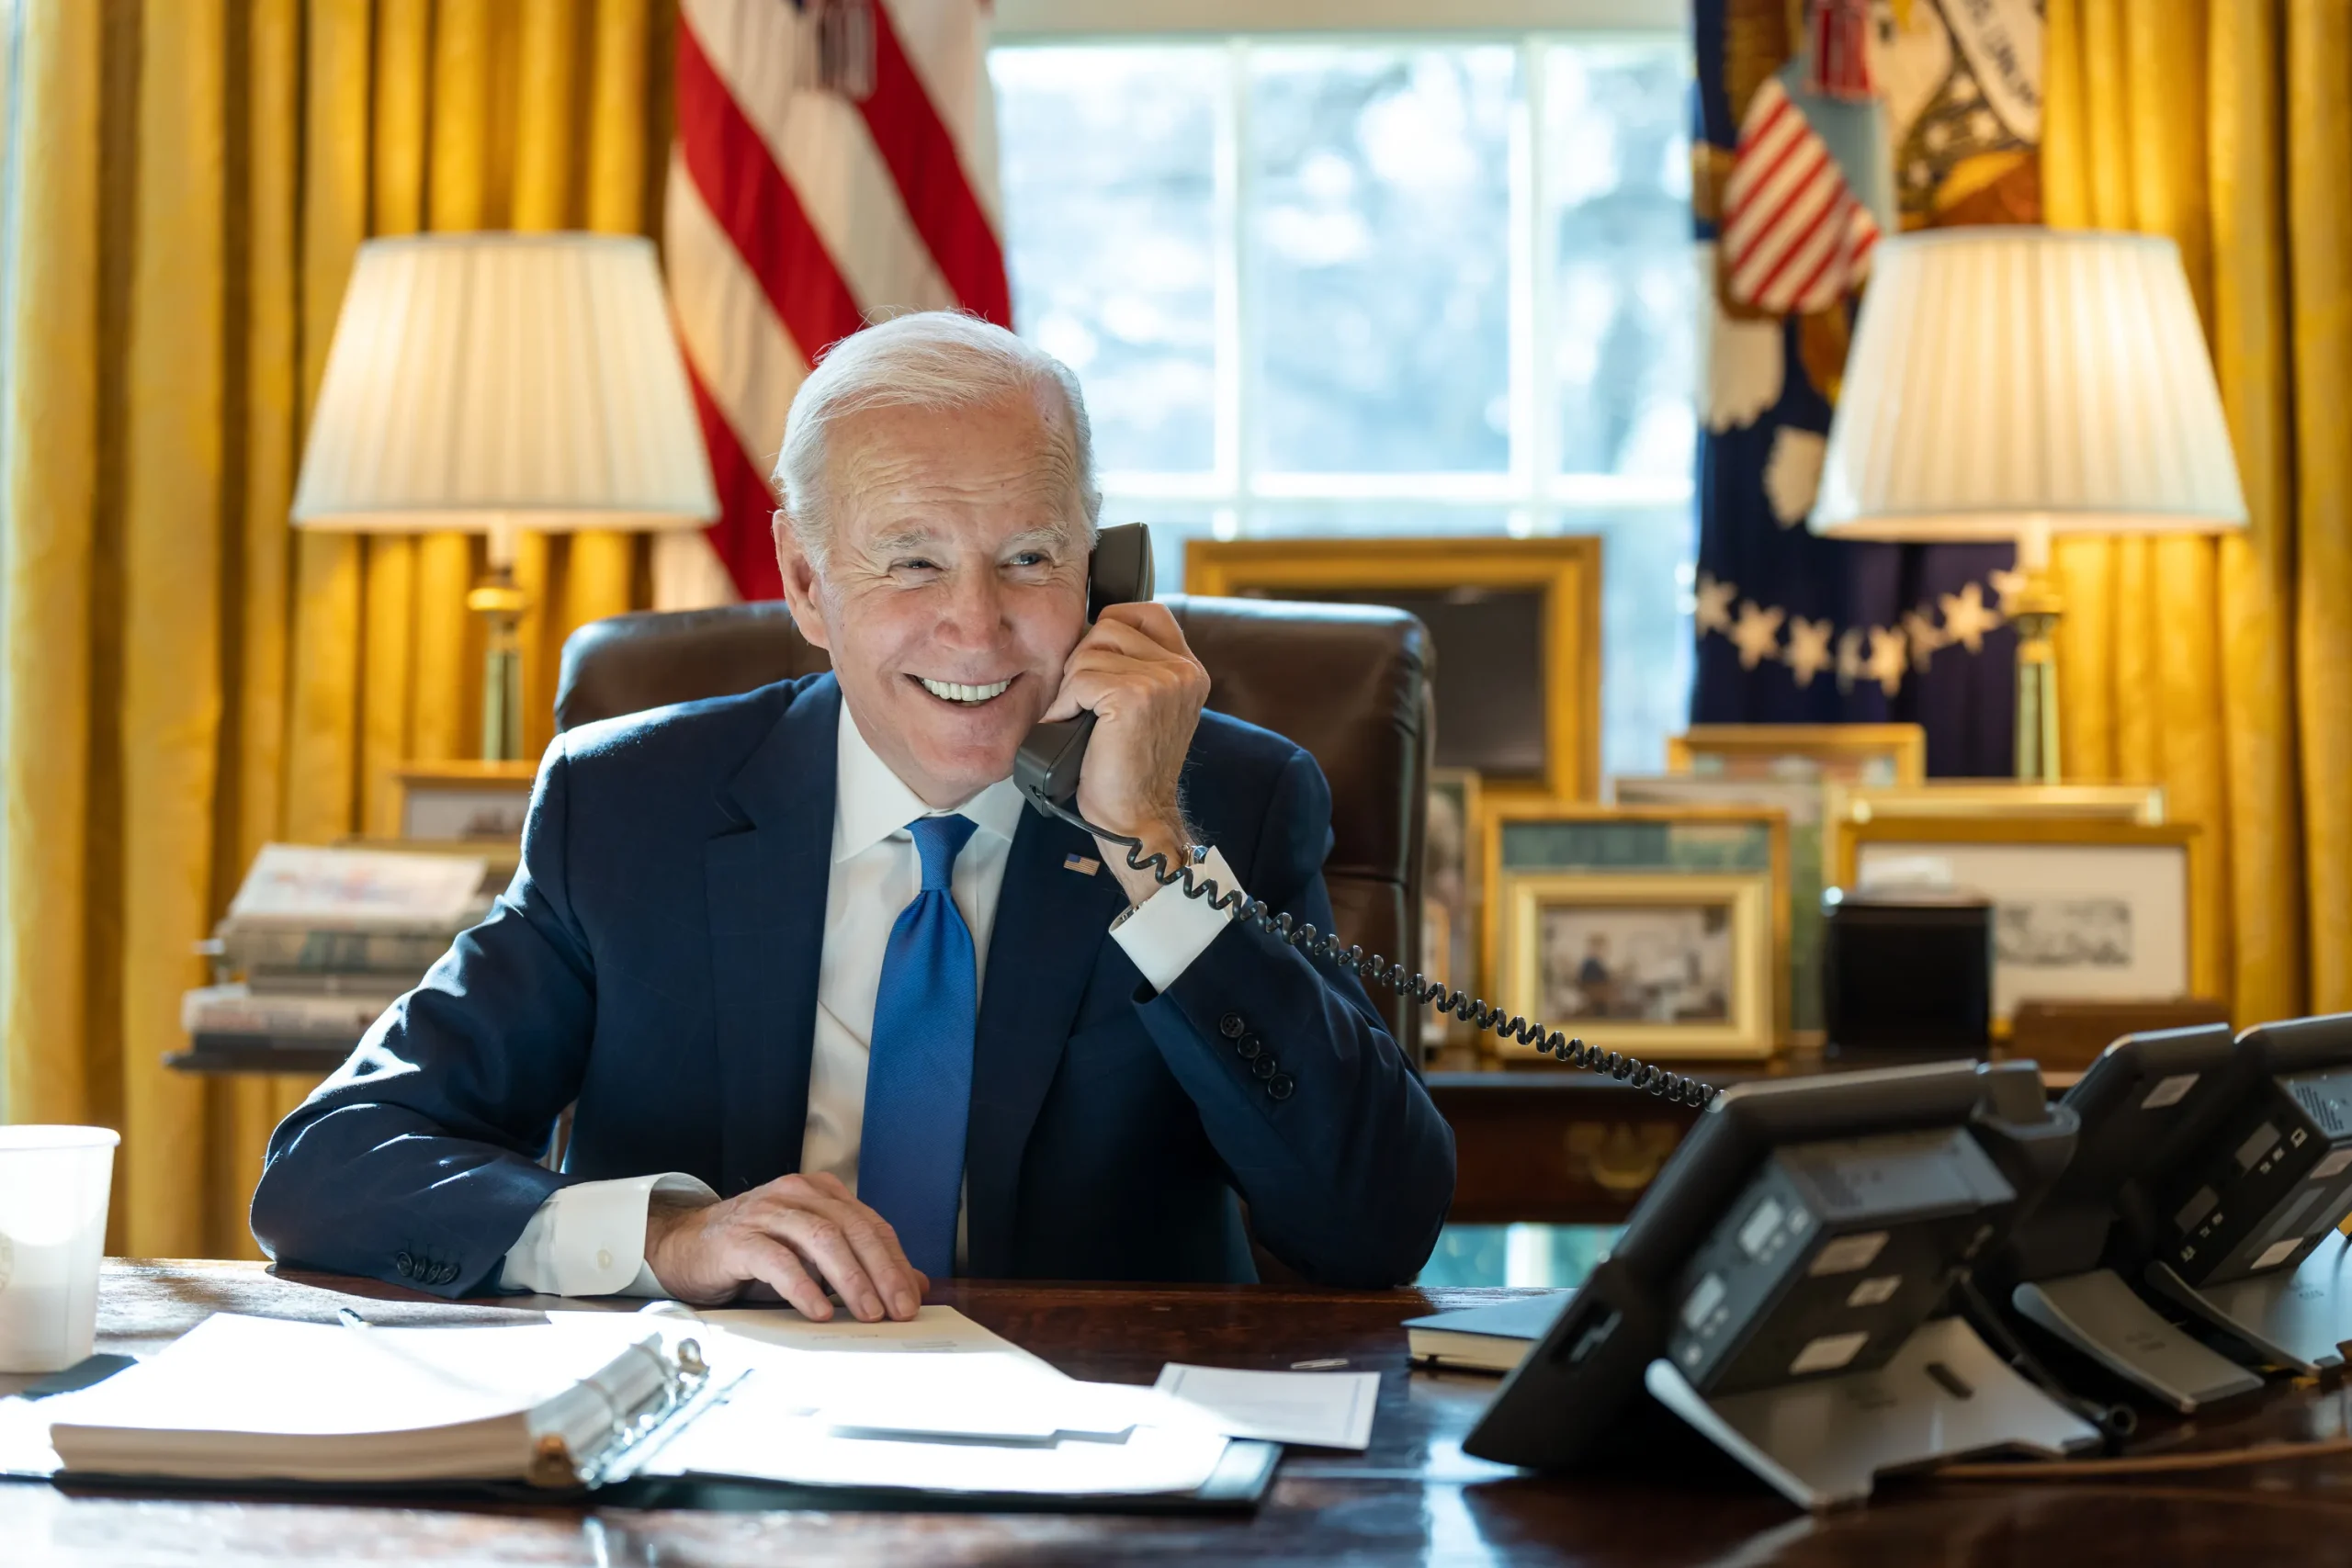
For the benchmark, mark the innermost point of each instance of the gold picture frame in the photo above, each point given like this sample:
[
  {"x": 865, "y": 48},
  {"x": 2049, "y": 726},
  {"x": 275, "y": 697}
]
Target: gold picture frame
[
  {"x": 1737, "y": 974},
  {"x": 462, "y": 800},
  {"x": 1453, "y": 868},
  {"x": 2050, "y": 842},
  {"x": 1564, "y": 571},
  {"x": 1844, "y": 806},
  {"x": 1854, "y": 753}
]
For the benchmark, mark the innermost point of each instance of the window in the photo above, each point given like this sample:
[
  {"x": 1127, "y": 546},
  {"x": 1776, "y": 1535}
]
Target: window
[{"x": 1342, "y": 284}]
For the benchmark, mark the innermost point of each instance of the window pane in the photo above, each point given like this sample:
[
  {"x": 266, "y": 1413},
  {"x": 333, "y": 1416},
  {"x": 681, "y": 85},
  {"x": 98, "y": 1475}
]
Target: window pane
[
  {"x": 1644, "y": 632},
  {"x": 1172, "y": 523},
  {"x": 1622, "y": 351},
  {"x": 1364, "y": 518},
  {"x": 1109, "y": 171},
  {"x": 1518, "y": 1255},
  {"x": 1378, "y": 290}
]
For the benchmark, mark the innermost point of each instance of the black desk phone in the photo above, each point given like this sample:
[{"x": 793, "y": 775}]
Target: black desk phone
[{"x": 1047, "y": 773}]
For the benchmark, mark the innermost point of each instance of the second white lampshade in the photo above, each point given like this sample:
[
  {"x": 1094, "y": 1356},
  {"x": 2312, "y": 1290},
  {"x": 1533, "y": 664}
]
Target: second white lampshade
[
  {"x": 2011, "y": 382},
  {"x": 493, "y": 381}
]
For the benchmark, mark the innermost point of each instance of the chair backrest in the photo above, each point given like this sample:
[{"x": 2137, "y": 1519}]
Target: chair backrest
[{"x": 1349, "y": 683}]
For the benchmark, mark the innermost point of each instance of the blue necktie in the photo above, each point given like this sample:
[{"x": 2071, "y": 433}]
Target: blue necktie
[{"x": 918, "y": 1066}]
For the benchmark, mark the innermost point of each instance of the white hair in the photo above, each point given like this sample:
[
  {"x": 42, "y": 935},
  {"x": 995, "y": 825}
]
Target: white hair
[{"x": 926, "y": 359}]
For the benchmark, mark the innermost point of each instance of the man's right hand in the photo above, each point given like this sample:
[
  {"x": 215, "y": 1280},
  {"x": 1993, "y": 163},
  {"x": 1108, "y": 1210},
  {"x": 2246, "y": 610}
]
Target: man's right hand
[{"x": 799, "y": 1235}]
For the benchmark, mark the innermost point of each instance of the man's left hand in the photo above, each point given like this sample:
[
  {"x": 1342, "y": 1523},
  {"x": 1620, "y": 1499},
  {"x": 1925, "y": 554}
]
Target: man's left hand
[{"x": 1134, "y": 670}]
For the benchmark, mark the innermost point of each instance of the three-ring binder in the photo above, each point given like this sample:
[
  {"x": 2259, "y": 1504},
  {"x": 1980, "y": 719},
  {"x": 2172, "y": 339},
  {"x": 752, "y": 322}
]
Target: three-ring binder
[{"x": 601, "y": 1428}]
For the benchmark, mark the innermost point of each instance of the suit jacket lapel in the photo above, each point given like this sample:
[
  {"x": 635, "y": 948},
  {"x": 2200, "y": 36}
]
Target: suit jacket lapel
[
  {"x": 1050, "y": 925},
  {"x": 766, "y": 883}
]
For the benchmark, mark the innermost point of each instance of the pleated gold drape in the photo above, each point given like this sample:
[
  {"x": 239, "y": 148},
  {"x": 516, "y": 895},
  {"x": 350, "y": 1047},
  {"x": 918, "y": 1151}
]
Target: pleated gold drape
[
  {"x": 186, "y": 678},
  {"x": 2219, "y": 666}
]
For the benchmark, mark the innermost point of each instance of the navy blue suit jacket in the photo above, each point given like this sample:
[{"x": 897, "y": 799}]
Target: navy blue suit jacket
[{"x": 655, "y": 962}]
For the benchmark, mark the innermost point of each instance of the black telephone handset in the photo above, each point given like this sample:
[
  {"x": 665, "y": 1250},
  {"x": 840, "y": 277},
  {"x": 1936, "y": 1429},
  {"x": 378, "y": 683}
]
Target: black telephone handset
[
  {"x": 1045, "y": 772},
  {"x": 1118, "y": 573}
]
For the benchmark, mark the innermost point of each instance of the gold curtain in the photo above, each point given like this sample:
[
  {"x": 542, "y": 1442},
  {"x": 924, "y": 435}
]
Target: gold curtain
[
  {"x": 188, "y": 678},
  {"x": 2215, "y": 666}
]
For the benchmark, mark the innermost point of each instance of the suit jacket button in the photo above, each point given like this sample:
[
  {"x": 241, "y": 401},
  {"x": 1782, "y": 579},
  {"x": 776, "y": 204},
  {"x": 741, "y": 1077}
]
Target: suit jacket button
[
  {"x": 406, "y": 1265},
  {"x": 443, "y": 1275},
  {"x": 1231, "y": 1026},
  {"x": 1263, "y": 1067},
  {"x": 1280, "y": 1085},
  {"x": 1250, "y": 1046}
]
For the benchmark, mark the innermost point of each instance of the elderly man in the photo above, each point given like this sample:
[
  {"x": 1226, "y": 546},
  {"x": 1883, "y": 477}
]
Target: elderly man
[{"x": 838, "y": 1015}]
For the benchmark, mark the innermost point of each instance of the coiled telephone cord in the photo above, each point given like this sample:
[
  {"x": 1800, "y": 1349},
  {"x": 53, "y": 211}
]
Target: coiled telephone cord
[{"x": 1641, "y": 1075}]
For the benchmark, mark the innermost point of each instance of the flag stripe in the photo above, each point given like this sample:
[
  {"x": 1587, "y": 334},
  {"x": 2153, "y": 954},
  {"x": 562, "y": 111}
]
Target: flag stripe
[
  {"x": 747, "y": 194},
  {"x": 921, "y": 156},
  {"x": 1802, "y": 164},
  {"x": 1820, "y": 236},
  {"x": 821, "y": 143},
  {"x": 1794, "y": 228},
  {"x": 747, "y": 361},
  {"x": 1810, "y": 293},
  {"x": 1763, "y": 144},
  {"x": 800, "y": 201},
  {"x": 741, "y": 536},
  {"x": 1779, "y": 203}
]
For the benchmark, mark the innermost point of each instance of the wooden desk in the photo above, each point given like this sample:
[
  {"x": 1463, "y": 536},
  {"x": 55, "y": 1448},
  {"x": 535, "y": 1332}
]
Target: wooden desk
[{"x": 1413, "y": 1498}]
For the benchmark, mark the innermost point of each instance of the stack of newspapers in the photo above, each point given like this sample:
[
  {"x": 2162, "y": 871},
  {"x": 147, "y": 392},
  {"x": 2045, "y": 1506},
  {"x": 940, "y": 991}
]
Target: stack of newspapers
[{"x": 318, "y": 941}]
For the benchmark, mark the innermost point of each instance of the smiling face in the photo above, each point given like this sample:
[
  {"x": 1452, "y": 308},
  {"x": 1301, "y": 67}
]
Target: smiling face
[{"x": 953, "y": 585}]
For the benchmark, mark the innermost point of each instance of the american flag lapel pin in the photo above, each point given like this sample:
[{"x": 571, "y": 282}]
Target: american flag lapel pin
[{"x": 1085, "y": 865}]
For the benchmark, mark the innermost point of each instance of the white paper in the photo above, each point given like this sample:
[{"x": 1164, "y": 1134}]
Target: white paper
[
  {"x": 24, "y": 1438},
  {"x": 759, "y": 1433},
  {"x": 237, "y": 1374},
  {"x": 1329, "y": 1410},
  {"x": 936, "y": 1330},
  {"x": 940, "y": 1375}
]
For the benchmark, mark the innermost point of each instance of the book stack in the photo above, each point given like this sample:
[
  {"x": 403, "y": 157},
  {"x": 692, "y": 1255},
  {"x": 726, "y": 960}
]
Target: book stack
[{"x": 318, "y": 941}]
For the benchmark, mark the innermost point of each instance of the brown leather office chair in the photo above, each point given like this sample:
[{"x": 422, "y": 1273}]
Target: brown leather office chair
[{"x": 1349, "y": 683}]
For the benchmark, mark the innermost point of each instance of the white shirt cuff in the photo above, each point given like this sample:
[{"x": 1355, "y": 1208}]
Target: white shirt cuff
[
  {"x": 589, "y": 1239},
  {"x": 1164, "y": 933}
]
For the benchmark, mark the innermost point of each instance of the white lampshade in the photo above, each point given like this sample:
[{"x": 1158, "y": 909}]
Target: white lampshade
[
  {"x": 494, "y": 381},
  {"x": 2014, "y": 382}
]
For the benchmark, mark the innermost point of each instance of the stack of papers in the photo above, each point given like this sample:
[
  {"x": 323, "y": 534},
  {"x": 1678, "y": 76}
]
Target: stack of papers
[{"x": 937, "y": 1404}]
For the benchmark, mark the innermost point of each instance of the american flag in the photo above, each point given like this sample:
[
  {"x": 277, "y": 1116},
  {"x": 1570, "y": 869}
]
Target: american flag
[
  {"x": 835, "y": 162},
  {"x": 1793, "y": 236}
]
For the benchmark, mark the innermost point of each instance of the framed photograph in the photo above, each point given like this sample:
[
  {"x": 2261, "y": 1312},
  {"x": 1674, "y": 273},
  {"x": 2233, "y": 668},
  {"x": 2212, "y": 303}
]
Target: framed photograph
[
  {"x": 1879, "y": 754},
  {"x": 1525, "y": 838},
  {"x": 1516, "y": 624},
  {"x": 1453, "y": 865},
  {"x": 1799, "y": 802},
  {"x": 1659, "y": 964},
  {"x": 464, "y": 800},
  {"x": 1847, "y": 805},
  {"x": 2083, "y": 909}
]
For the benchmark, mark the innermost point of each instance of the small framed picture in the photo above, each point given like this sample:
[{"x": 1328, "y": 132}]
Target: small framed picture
[
  {"x": 1657, "y": 965},
  {"x": 1876, "y": 754},
  {"x": 1847, "y": 805},
  {"x": 1799, "y": 802},
  {"x": 444, "y": 801},
  {"x": 1685, "y": 842},
  {"x": 2082, "y": 909},
  {"x": 1453, "y": 865}
]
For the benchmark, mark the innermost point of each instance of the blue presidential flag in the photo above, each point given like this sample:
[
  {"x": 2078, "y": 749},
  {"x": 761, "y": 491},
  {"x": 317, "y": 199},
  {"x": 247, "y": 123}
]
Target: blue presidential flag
[{"x": 1929, "y": 116}]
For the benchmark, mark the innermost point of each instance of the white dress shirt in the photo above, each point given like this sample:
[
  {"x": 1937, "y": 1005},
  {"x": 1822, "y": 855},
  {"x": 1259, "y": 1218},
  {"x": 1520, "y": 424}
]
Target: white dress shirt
[{"x": 589, "y": 1239}]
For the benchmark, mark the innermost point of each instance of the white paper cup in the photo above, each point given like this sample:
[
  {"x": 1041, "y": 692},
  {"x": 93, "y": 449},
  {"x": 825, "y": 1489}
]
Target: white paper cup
[{"x": 53, "y": 1186}]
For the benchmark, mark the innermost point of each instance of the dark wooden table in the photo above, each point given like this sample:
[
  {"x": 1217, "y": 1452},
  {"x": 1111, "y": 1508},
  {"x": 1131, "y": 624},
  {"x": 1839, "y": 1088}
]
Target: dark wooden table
[{"x": 1414, "y": 1499}]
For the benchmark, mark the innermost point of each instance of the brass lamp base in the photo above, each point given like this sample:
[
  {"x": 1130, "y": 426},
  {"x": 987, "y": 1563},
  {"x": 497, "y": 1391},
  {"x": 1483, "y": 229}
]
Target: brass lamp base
[
  {"x": 2035, "y": 613},
  {"x": 501, "y": 604}
]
